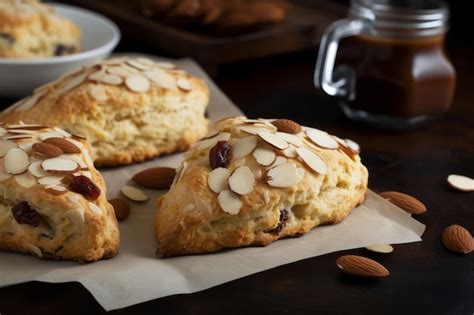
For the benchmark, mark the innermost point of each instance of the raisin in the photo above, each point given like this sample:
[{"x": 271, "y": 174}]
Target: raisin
[
  {"x": 219, "y": 155},
  {"x": 23, "y": 213},
  {"x": 281, "y": 223},
  {"x": 84, "y": 186}
]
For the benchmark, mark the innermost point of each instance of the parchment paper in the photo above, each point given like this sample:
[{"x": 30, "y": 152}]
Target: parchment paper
[{"x": 136, "y": 275}]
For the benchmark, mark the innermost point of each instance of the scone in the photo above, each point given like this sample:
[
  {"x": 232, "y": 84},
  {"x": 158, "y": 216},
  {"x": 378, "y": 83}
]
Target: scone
[
  {"x": 52, "y": 200},
  {"x": 129, "y": 109},
  {"x": 251, "y": 182},
  {"x": 30, "y": 29}
]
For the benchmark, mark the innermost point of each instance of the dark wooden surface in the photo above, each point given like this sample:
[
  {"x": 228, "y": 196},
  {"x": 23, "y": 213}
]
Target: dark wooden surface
[{"x": 425, "y": 278}]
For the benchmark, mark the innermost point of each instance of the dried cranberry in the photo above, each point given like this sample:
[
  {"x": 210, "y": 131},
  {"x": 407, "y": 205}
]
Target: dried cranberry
[
  {"x": 281, "y": 224},
  {"x": 23, "y": 213},
  {"x": 219, "y": 154},
  {"x": 84, "y": 186}
]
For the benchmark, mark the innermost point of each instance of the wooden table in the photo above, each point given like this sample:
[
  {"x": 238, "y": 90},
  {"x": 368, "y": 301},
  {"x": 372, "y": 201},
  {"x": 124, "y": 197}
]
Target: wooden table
[{"x": 425, "y": 278}]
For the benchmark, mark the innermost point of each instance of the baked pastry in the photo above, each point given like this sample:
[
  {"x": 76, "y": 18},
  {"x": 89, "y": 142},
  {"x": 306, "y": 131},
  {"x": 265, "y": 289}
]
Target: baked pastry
[
  {"x": 251, "y": 182},
  {"x": 52, "y": 200},
  {"x": 30, "y": 29},
  {"x": 130, "y": 109}
]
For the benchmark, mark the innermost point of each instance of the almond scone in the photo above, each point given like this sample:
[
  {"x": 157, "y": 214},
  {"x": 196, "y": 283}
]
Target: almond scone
[{"x": 251, "y": 182}]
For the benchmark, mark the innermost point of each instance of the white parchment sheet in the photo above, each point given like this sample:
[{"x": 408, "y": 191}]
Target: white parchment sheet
[{"x": 136, "y": 275}]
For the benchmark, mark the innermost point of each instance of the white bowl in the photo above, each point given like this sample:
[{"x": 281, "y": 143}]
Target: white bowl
[{"x": 19, "y": 77}]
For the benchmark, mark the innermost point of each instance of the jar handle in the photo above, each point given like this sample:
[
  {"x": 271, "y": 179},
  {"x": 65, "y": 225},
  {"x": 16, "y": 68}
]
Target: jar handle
[{"x": 323, "y": 74}]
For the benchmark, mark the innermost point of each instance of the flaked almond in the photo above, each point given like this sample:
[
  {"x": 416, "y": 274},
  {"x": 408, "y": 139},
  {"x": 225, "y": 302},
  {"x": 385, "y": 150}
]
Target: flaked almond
[
  {"x": 253, "y": 130},
  {"x": 67, "y": 146},
  {"x": 184, "y": 84},
  {"x": 111, "y": 79},
  {"x": 5, "y": 146},
  {"x": 273, "y": 139},
  {"x": 287, "y": 125},
  {"x": 229, "y": 202},
  {"x": 457, "y": 239},
  {"x": 25, "y": 180},
  {"x": 217, "y": 179},
  {"x": 285, "y": 175},
  {"x": 27, "y": 126},
  {"x": 361, "y": 266},
  {"x": 244, "y": 146},
  {"x": 354, "y": 146},
  {"x": 16, "y": 161},
  {"x": 76, "y": 216},
  {"x": 291, "y": 139},
  {"x": 460, "y": 182},
  {"x": 406, "y": 202},
  {"x": 161, "y": 78},
  {"x": 47, "y": 150},
  {"x": 155, "y": 177},
  {"x": 56, "y": 190},
  {"x": 59, "y": 165},
  {"x": 264, "y": 156},
  {"x": 134, "y": 194},
  {"x": 242, "y": 180},
  {"x": 322, "y": 139},
  {"x": 137, "y": 83},
  {"x": 36, "y": 170},
  {"x": 312, "y": 160},
  {"x": 121, "y": 208}
]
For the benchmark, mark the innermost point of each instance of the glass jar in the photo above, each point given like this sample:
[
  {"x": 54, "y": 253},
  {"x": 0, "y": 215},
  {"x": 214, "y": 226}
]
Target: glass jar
[{"x": 387, "y": 64}]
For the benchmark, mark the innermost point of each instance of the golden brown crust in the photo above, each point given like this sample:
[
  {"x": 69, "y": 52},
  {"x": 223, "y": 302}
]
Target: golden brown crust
[
  {"x": 72, "y": 226},
  {"x": 30, "y": 29},
  {"x": 190, "y": 219},
  {"x": 122, "y": 126}
]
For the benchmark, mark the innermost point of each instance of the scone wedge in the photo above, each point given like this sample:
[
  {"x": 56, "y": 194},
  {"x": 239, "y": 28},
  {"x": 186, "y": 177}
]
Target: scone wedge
[
  {"x": 251, "y": 182},
  {"x": 52, "y": 200},
  {"x": 130, "y": 109}
]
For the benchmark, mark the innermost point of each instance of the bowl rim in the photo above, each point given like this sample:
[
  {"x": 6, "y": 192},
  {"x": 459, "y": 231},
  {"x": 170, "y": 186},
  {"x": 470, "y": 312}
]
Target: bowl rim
[{"x": 107, "y": 47}]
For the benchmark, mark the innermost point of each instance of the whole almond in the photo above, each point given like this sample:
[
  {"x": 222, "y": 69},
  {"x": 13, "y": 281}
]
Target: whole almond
[
  {"x": 67, "y": 146},
  {"x": 457, "y": 239},
  {"x": 121, "y": 208},
  {"x": 155, "y": 177},
  {"x": 286, "y": 125},
  {"x": 47, "y": 149},
  {"x": 406, "y": 202},
  {"x": 361, "y": 266}
]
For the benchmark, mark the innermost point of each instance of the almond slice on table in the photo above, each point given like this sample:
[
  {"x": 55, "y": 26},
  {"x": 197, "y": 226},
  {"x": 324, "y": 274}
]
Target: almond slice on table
[
  {"x": 244, "y": 146},
  {"x": 121, "y": 208},
  {"x": 137, "y": 83},
  {"x": 285, "y": 175},
  {"x": 361, "y": 266},
  {"x": 134, "y": 194},
  {"x": 67, "y": 146},
  {"x": 36, "y": 170},
  {"x": 155, "y": 177},
  {"x": 292, "y": 139},
  {"x": 5, "y": 146},
  {"x": 322, "y": 139},
  {"x": 47, "y": 150},
  {"x": 273, "y": 139},
  {"x": 380, "y": 248},
  {"x": 457, "y": 239},
  {"x": 16, "y": 161},
  {"x": 287, "y": 125},
  {"x": 460, "y": 182},
  {"x": 184, "y": 84},
  {"x": 229, "y": 202},
  {"x": 264, "y": 156},
  {"x": 408, "y": 203},
  {"x": 25, "y": 180},
  {"x": 312, "y": 160},
  {"x": 217, "y": 179},
  {"x": 59, "y": 165},
  {"x": 242, "y": 180}
]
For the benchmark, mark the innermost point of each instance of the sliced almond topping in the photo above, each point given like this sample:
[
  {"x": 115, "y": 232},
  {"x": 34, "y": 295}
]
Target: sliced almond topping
[
  {"x": 119, "y": 70},
  {"x": 292, "y": 139},
  {"x": 145, "y": 61},
  {"x": 244, "y": 147},
  {"x": 322, "y": 139},
  {"x": 264, "y": 156},
  {"x": 31, "y": 101},
  {"x": 22, "y": 131},
  {"x": 188, "y": 208},
  {"x": 5, "y": 146},
  {"x": 204, "y": 144},
  {"x": 284, "y": 176},
  {"x": 62, "y": 132},
  {"x": 111, "y": 79},
  {"x": 27, "y": 126},
  {"x": 134, "y": 194},
  {"x": 273, "y": 139},
  {"x": 98, "y": 93},
  {"x": 72, "y": 83},
  {"x": 217, "y": 179},
  {"x": 242, "y": 180},
  {"x": 56, "y": 190},
  {"x": 266, "y": 196},
  {"x": 66, "y": 146},
  {"x": 97, "y": 76},
  {"x": 138, "y": 65},
  {"x": 184, "y": 84},
  {"x": 50, "y": 180},
  {"x": 312, "y": 160},
  {"x": 165, "y": 65},
  {"x": 290, "y": 152},
  {"x": 137, "y": 83},
  {"x": 279, "y": 160},
  {"x": 229, "y": 202},
  {"x": 18, "y": 137},
  {"x": 161, "y": 78},
  {"x": 36, "y": 170},
  {"x": 354, "y": 146},
  {"x": 94, "y": 208},
  {"x": 59, "y": 165},
  {"x": 16, "y": 161},
  {"x": 253, "y": 130},
  {"x": 460, "y": 182},
  {"x": 76, "y": 216},
  {"x": 25, "y": 180},
  {"x": 50, "y": 134},
  {"x": 76, "y": 158},
  {"x": 47, "y": 150},
  {"x": 86, "y": 174},
  {"x": 381, "y": 248},
  {"x": 78, "y": 137},
  {"x": 3, "y": 173}
]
